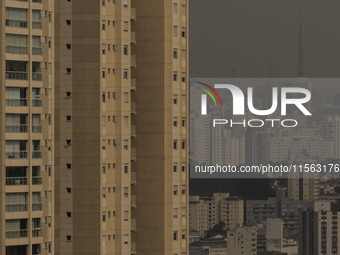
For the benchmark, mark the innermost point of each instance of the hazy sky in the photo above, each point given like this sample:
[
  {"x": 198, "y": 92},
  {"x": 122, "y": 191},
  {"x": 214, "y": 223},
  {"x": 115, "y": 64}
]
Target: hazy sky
[{"x": 263, "y": 31}]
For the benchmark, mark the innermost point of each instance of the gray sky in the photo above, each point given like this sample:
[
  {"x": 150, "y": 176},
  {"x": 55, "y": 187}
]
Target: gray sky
[{"x": 261, "y": 30}]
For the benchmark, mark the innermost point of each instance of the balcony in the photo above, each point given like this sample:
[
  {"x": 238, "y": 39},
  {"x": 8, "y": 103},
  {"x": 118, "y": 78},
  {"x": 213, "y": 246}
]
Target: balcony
[
  {"x": 133, "y": 14},
  {"x": 22, "y": 128},
  {"x": 133, "y": 38},
  {"x": 36, "y": 180},
  {"x": 133, "y": 131},
  {"x": 36, "y": 232},
  {"x": 16, "y": 181},
  {"x": 36, "y": 51},
  {"x": 36, "y": 102},
  {"x": 18, "y": 250},
  {"x": 133, "y": 155},
  {"x": 16, "y": 154},
  {"x": 21, "y": 233},
  {"x": 133, "y": 178},
  {"x": 20, "y": 207},
  {"x": 133, "y": 225},
  {"x": 133, "y": 108},
  {"x": 13, "y": 75},
  {"x": 36, "y": 1},
  {"x": 16, "y": 70},
  {"x": 133, "y": 202},
  {"x": 133, "y": 84},
  {"x": 36, "y": 154},
  {"x": 36, "y": 76},
  {"x": 16, "y": 101},
  {"x": 133, "y": 61},
  {"x": 133, "y": 248},
  {"x": 16, "y": 23},
  {"x": 14, "y": 49},
  {"x": 36, "y": 207}
]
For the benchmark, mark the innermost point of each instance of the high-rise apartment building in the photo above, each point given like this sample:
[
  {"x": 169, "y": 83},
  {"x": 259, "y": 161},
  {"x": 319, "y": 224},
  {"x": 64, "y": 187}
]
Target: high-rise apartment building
[
  {"x": 95, "y": 114},
  {"x": 27, "y": 127}
]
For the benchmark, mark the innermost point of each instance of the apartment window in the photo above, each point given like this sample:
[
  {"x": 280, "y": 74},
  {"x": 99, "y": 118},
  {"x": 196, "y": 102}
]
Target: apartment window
[
  {"x": 184, "y": 212},
  {"x": 104, "y": 240},
  {"x": 104, "y": 49},
  {"x": 126, "y": 26},
  {"x": 183, "y": 144},
  {"x": 103, "y": 97},
  {"x": 68, "y": 166},
  {"x": 175, "y": 190},
  {"x": 103, "y": 73},
  {"x": 68, "y": 70},
  {"x": 183, "y": 167},
  {"x": 103, "y": 3},
  {"x": 183, "y": 122},
  {"x": 175, "y": 98},
  {"x": 68, "y": 95},
  {"x": 104, "y": 168},
  {"x": 126, "y": 50},
  {"x": 175, "y": 121},
  {"x": 17, "y": 44},
  {"x": 68, "y": 22},
  {"x": 183, "y": 77},
  {"x": 126, "y": 121},
  {"x": 183, "y": 189},
  {"x": 104, "y": 216},
  {"x": 68, "y": 118},
  {"x": 184, "y": 10},
  {"x": 104, "y": 192},
  {"x": 16, "y": 17},
  {"x": 175, "y": 144},
  {"x": 183, "y": 234},
  {"x": 49, "y": 17},
  {"x": 175, "y": 8},
  {"x": 125, "y": 4},
  {"x": 175, "y": 235},
  {"x": 175, "y": 76},
  {"x": 68, "y": 214},
  {"x": 68, "y": 238},
  {"x": 103, "y": 144},
  {"x": 126, "y": 215},
  {"x": 175, "y": 55},
  {"x": 184, "y": 54},
  {"x": 126, "y": 168},
  {"x": 126, "y": 192},
  {"x": 103, "y": 121},
  {"x": 126, "y": 144},
  {"x": 175, "y": 213},
  {"x": 68, "y": 46},
  {"x": 126, "y": 239},
  {"x": 103, "y": 25},
  {"x": 175, "y": 167},
  {"x": 126, "y": 97},
  {"x": 175, "y": 30},
  {"x": 68, "y": 190},
  {"x": 184, "y": 99},
  {"x": 36, "y": 19},
  {"x": 184, "y": 31},
  {"x": 125, "y": 74}
]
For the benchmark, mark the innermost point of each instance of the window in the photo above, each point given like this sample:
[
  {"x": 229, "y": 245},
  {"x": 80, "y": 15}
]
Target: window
[
  {"x": 126, "y": 215},
  {"x": 126, "y": 97},
  {"x": 175, "y": 8},
  {"x": 175, "y": 53},
  {"x": 68, "y": 238},
  {"x": 103, "y": 73},
  {"x": 184, "y": 31},
  {"x": 175, "y": 75},
  {"x": 104, "y": 192},
  {"x": 126, "y": 192},
  {"x": 126, "y": 121},
  {"x": 183, "y": 189},
  {"x": 184, "y": 10},
  {"x": 125, "y": 73},
  {"x": 103, "y": 25},
  {"x": 68, "y": 22},
  {"x": 68, "y": 214},
  {"x": 175, "y": 30},
  {"x": 126, "y": 50},
  {"x": 104, "y": 49},
  {"x": 103, "y": 144},
  {"x": 175, "y": 98},
  {"x": 175, "y": 213},
  {"x": 184, "y": 99},
  {"x": 126, "y": 168},
  {"x": 103, "y": 121},
  {"x": 183, "y": 167},
  {"x": 18, "y": 44},
  {"x": 183, "y": 122},
  {"x": 68, "y": 95},
  {"x": 103, "y": 3},
  {"x": 175, "y": 235},
  {"x": 126, "y": 144},
  {"x": 183, "y": 234},
  {"x": 175, "y": 190},
  {"x": 175, "y": 167},
  {"x": 183, "y": 144},
  {"x": 104, "y": 168},
  {"x": 104, "y": 216},
  {"x": 175, "y": 121},
  {"x": 49, "y": 17},
  {"x": 103, "y": 97},
  {"x": 184, "y": 54},
  {"x": 126, "y": 239},
  {"x": 68, "y": 166},
  {"x": 184, "y": 212},
  {"x": 175, "y": 144},
  {"x": 36, "y": 19},
  {"x": 68, "y": 70},
  {"x": 126, "y": 26},
  {"x": 104, "y": 240},
  {"x": 183, "y": 77},
  {"x": 68, "y": 118},
  {"x": 68, "y": 190},
  {"x": 125, "y": 4},
  {"x": 16, "y": 17}
]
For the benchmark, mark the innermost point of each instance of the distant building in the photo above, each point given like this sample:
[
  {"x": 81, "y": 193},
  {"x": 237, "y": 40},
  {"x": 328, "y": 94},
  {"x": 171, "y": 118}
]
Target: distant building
[{"x": 242, "y": 241}]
